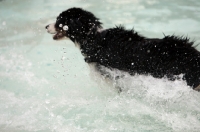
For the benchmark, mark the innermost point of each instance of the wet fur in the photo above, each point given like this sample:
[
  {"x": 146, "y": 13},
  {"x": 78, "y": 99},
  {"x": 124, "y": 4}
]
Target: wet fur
[{"x": 128, "y": 51}]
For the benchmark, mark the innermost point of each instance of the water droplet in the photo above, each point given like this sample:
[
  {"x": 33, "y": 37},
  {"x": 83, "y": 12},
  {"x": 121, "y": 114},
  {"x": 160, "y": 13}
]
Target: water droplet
[
  {"x": 60, "y": 25},
  {"x": 65, "y": 27},
  {"x": 62, "y": 58},
  {"x": 3, "y": 23}
]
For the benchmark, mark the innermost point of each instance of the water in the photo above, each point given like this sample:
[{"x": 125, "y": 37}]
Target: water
[{"x": 45, "y": 85}]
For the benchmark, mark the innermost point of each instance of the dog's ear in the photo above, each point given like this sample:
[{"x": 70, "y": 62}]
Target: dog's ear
[
  {"x": 80, "y": 26},
  {"x": 81, "y": 23}
]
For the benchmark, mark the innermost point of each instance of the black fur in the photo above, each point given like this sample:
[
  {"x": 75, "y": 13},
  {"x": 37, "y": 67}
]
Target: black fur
[{"x": 128, "y": 51}]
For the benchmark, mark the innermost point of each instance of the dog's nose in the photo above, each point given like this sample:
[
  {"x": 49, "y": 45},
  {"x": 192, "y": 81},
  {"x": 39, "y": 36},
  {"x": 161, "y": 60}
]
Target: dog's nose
[{"x": 47, "y": 27}]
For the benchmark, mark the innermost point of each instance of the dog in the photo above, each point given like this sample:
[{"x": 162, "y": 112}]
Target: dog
[{"x": 126, "y": 50}]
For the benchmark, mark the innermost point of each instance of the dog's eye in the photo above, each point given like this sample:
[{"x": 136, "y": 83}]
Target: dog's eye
[{"x": 65, "y": 27}]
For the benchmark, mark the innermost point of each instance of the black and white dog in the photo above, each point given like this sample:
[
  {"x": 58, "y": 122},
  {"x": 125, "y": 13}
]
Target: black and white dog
[{"x": 126, "y": 50}]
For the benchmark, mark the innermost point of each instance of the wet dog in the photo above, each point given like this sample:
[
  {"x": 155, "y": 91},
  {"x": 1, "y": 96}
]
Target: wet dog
[{"x": 126, "y": 50}]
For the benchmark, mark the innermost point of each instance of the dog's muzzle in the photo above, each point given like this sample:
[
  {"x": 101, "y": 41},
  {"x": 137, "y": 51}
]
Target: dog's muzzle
[
  {"x": 58, "y": 34},
  {"x": 51, "y": 28}
]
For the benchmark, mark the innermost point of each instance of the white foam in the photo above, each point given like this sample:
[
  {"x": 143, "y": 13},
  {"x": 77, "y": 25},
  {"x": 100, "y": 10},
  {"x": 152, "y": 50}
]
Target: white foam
[{"x": 32, "y": 99}]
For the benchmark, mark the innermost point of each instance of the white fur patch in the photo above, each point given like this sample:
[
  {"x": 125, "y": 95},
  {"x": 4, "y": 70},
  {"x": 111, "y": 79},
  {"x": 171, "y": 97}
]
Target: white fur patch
[
  {"x": 51, "y": 28},
  {"x": 78, "y": 45}
]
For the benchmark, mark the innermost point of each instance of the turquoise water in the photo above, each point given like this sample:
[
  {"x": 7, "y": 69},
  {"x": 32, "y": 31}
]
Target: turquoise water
[{"x": 45, "y": 85}]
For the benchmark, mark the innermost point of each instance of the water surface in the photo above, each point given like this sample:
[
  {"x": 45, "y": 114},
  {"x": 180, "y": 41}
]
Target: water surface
[{"x": 45, "y": 85}]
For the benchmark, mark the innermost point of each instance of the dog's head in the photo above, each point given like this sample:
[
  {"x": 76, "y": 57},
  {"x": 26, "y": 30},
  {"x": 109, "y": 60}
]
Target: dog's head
[{"x": 74, "y": 23}]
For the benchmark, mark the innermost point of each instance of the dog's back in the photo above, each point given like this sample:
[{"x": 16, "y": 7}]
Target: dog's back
[{"x": 128, "y": 51}]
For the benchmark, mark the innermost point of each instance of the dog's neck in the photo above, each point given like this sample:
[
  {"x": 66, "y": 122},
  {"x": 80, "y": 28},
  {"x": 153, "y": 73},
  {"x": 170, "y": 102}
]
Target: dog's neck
[
  {"x": 88, "y": 37},
  {"x": 87, "y": 43}
]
